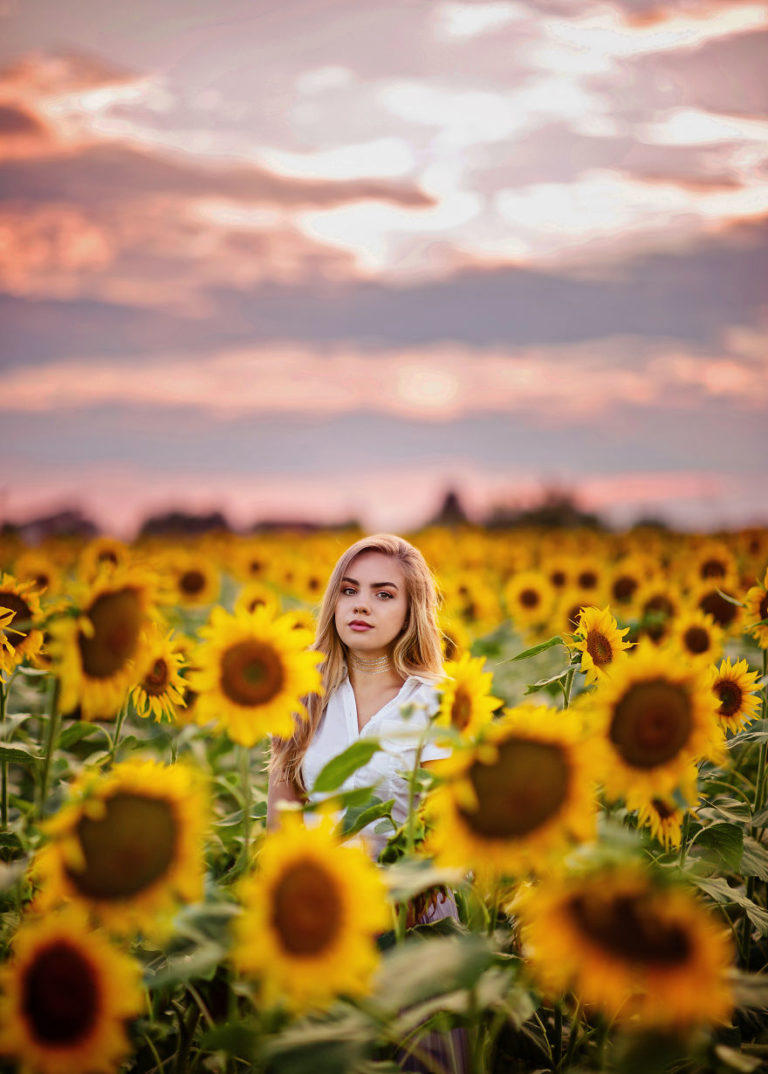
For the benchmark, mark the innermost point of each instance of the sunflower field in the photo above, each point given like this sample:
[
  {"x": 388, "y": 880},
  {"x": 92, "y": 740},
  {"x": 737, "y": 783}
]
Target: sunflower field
[{"x": 600, "y": 821}]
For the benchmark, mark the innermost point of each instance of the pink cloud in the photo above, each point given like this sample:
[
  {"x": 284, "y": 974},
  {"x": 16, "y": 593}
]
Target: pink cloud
[{"x": 438, "y": 383}]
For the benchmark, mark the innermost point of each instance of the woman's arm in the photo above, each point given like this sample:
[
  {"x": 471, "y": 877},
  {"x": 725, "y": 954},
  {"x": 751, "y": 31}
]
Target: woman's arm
[{"x": 279, "y": 790}]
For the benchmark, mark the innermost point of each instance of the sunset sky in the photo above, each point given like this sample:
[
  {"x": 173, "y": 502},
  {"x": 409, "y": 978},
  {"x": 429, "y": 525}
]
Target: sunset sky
[{"x": 328, "y": 258}]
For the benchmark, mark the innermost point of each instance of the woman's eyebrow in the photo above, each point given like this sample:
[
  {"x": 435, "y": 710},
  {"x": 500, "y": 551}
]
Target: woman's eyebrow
[{"x": 374, "y": 585}]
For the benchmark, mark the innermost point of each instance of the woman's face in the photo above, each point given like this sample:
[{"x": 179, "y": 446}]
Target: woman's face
[{"x": 372, "y": 604}]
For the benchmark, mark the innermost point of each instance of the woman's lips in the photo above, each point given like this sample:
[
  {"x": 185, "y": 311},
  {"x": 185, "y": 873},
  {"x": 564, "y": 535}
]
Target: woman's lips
[{"x": 357, "y": 624}]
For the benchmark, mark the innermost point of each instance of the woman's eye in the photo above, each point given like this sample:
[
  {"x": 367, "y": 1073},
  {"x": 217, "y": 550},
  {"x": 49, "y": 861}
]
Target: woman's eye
[
  {"x": 385, "y": 594},
  {"x": 348, "y": 592}
]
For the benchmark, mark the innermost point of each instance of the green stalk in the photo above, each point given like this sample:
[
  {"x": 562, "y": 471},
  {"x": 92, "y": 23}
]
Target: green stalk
[
  {"x": 557, "y": 1046},
  {"x": 684, "y": 836},
  {"x": 4, "y": 790},
  {"x": 50, "y": 742},
  {"x": 118, "y": 728},
  {"x": 746, "y": 933},
  {"x": 566, "y": 686},
  {"x": 245, "y": 779}
]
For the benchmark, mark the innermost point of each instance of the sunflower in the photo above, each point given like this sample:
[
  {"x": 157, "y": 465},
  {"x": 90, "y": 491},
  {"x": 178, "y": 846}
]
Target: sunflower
[
  {"x": 252, "y": 673},
  {"x": 629, "y": 946},
  {"x": 697, "y": 636},
  {"x": 310, "y": 917},
  {"x": 626, "y": 579},
  {"x": 160, "y": 691},
  {"x": 100, "y": 655},
  {"x": 196, "y": 578},
  {"x": 600, "y": 643},
  {"x": 659, "y": 602},
  {"x": 466, "y": 703},
  {"x": 303, "y": 622},
  {"x": 568, "y": 609},
  {"x": 665, "y": 819},
  {"x": 40, "y": 569},
  {"x": 255, "y": 595},
  {"x": 522, "y": 793},
  {"x": 101, "y": 555},
  {"x": 652, "y": 721},
  {"x": 471, "y": 599},
  {"x": 718, "y": 601},
  {"x": 756, "y": 608},
  {"x": 20, "y": 599},
  {"x": 128, "y": 846},
  {"x": 736, "y": 694},
  {"x": 455, "y": 637},
  {"x": 67, "y": 994},
  {"x": 588, "y": 575},
  {"x": 529, "y": 597},
  {"x": 713, "y": 561}
]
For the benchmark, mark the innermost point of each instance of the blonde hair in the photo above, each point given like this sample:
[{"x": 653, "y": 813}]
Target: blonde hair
[{"x": 416, "y": 650}]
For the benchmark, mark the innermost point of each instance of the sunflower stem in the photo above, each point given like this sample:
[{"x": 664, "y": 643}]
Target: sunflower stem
[
  {"x": 245, "y": 779},
  {"x": 50, "y": 742},
  {"x": 557, "y": 1044},
  {"x": 684, "y": 836},
  {"x": 4, "y": 790},
  {"x": 566, "y": 686},
  {"x": 118, "y": 728}
]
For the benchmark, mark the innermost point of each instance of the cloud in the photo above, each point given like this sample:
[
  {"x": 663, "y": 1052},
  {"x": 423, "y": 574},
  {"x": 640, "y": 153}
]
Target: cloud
[{"x": 566, "y": 385}]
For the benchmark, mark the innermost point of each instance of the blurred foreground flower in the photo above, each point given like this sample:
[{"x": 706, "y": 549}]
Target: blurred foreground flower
[
  {"x": 310, "y": 916},
  {"x": 631, "y": 946},
  {"x": 67, "y": 995},
  {"x": 756, "y": 606},
  {"x": 522, "y": 793},
  {"x": 129, "y": 845},
  {"x": 251, "y": 674}
]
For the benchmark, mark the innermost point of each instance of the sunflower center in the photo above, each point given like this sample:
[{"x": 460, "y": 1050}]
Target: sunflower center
[
  {"x": 156, "y": 681},
  {"x": 624, "y": 587},
  {"x": 529, "y": 598},
  {"x": 651, "y": 723},
  {"x": 306, "y": 909},
  {"x": 713, "y": 568},
  {"x": 762, "y": 611},
  {"x": 599, "y": 648},
  {"x": 251, "y": 673},
  {"x": 696, "y": 639},
  {"x": 126, "y": 850},
  {"x": 730, "y": 694},
  {"x": 523, "y": 789},
  {"x": 721, "y": 610},
  {"x": 14, "y": 603},
  {"x": 627, "y": 927},
  {"x": 662, "y": 810},
  {"x": 192, "y": 582},
  {"x": 587, "y": 579},
  {"x": 558, "y": 578},
  {"x": 116, "y": 618},
  {"x": 461, "y": 709},
  {"x": 60, "y": 995}
]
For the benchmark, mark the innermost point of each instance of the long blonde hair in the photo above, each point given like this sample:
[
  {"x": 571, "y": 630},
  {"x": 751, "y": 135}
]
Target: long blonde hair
[{"x": 416, "y": 651}]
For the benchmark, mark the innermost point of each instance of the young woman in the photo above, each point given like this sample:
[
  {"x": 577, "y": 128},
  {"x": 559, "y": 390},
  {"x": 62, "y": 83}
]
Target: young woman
[{"x": 378, "y": 629}]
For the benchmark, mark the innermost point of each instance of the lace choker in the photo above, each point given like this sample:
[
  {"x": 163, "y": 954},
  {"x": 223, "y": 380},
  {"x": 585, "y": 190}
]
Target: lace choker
[{"x": 370, "y": 665}]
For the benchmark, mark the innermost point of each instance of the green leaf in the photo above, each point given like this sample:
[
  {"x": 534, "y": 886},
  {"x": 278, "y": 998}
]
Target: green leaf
[
  {"x": 724, "y": 843},
  {"x": 750, "y": 990},
  {"x": 19, "y": 754},
  {"x": 754, "y": 860},
  {"x": 535, "y": 649},
  {"x": 419, "y": 969},
  {"x": 240, "y": 1039},
  {"x": 560, "y": 677},
  {"x": 341, "y": 767},
  {"x": 356, "y": 819},
  {"x": 719, "y": 890},
  {"x": 201, "y": 962},
  {"x": 76, "y": 732}
]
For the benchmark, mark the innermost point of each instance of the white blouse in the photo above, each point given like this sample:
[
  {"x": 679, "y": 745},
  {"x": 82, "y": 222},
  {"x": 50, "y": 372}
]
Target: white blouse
[{"x": 398, "y": 735}]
